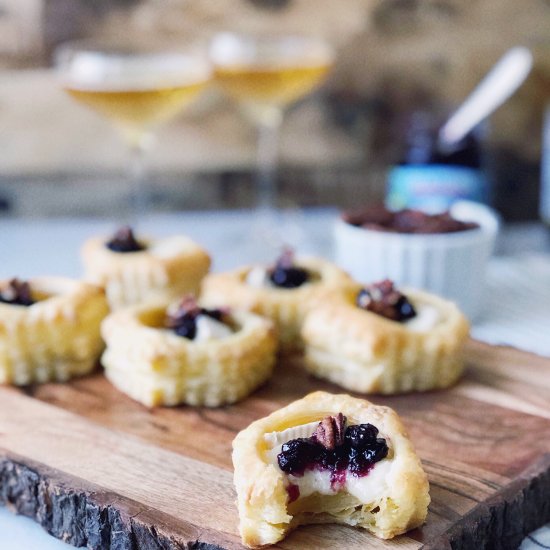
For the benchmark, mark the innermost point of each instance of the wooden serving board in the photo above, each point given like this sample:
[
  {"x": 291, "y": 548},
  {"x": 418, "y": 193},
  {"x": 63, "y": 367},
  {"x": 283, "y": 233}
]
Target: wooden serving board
[{"x": 97, "y": 469}]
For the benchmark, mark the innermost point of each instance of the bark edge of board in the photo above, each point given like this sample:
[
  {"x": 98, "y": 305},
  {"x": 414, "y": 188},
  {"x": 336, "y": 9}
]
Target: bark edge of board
[
  {"x": 82, "y": 514},
  {"x": 506, "y": 518}
]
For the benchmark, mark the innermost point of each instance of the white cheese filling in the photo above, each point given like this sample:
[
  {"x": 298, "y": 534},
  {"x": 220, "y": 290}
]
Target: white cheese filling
[
  {"x": 366, "y": 488},
  {"x": 426, "y": 318},
  {"x": 258, "y": 277},
  {"x": 210, "y": 329},
  {"x": 169, "y": 247}
]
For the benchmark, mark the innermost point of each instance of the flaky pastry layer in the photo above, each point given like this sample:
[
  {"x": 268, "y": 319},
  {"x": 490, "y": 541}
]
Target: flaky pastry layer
[
  {"x": 265, "y": 514},
  {"x": 285, "y": 307},
  {"x": 364, "y": 352},
  {"x": 166, "y": 269},
  {"x": 159, "y": 368},
  {"x": 57, "y": 337}
]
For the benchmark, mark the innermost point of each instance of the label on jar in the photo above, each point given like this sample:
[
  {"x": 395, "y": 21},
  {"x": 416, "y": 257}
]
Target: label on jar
[{"x": 434, "y": 187}]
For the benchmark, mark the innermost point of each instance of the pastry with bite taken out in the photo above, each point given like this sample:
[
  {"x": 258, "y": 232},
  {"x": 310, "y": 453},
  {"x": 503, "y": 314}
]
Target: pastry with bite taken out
[{"x": 327, "y": 459}]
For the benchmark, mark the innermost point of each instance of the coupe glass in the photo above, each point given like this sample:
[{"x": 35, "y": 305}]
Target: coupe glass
[
  {"x": 265, "y": 74},
  {"x": 137, "y": 87}
]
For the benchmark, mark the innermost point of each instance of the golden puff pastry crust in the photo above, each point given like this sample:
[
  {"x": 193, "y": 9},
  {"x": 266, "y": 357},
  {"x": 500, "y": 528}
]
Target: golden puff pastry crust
[
  {"x": 156, "y": 367},
  {"x": 395, "y": 501},
  {"x": 285, "y": 307},
  {"x": 57, "y": 337},
  {"x": 166, "y": 268},
  {"x": 367, "y": 353}
]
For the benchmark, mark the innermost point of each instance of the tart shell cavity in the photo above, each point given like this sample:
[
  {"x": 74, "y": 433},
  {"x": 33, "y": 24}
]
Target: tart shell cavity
[
  {"x": 166, "y": 268},
  {"x": 365, "y": 352},
  {"x": 285, "y": 307},
  {"x": 156, "y": 367},
  {"x": 269, "y": 506},
  {"x": 57, "y": 337}
]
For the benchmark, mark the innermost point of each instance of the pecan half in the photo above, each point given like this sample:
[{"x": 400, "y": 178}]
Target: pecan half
[
  {"x": 16, "y": 292},
  {"x": 286, "y": 259},
  {"x": 384, "y": 299},
  {"x": 330, "y": 431}
]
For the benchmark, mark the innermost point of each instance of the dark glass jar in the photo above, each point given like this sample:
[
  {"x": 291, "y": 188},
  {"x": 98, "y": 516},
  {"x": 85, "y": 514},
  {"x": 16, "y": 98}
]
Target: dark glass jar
[{"x": 430, "y": 178}]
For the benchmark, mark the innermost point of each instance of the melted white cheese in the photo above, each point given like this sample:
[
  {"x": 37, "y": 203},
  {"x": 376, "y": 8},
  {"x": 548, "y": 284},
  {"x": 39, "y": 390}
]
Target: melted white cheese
[
  {"x": 210, "y": 329},
  {"x": 258, "y": 277},
  {"x": 275, "y": 440},
  {"x": 427, "y": 317},
  {"x": 365, "y": 488}
]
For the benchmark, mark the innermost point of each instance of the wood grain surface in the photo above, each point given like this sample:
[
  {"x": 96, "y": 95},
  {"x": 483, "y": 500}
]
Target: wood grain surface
[{"x": 97, "y": 469}]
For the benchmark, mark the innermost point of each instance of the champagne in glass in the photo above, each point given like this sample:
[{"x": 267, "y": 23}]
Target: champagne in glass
[
  {"x": 138, "y": 109},
  {"x": 270, "y": 85},
  {"x": 134, "y": 86},
  {"x": 265, "y": 74}
]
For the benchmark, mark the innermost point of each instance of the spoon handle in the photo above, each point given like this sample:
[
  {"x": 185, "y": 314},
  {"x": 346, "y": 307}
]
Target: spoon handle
[{"x": 497, "y": 86}]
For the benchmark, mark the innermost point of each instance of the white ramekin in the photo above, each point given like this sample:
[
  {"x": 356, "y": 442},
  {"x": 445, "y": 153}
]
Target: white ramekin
[{"x": 449, "y": 264}]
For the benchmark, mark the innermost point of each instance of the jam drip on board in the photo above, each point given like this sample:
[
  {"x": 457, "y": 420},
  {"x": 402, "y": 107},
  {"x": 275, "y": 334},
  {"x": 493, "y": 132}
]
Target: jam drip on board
[
  {"x": 335, "y": 448},
  {"x": 183, "y": 321},
  {"x": 124, "y": 241},
  {"x": 16, "y": 292},
  {"x": 384, "y": 299},
  {"x": 286, "y": 274}
]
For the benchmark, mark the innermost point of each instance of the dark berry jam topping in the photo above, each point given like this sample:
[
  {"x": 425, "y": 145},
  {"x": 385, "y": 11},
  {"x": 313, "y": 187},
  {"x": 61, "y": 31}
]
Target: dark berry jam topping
[
  {"x": 124, "y": 241},
  {"x": 406, "y": 221},
  {"x": 285, "y": 274},
  {"x": 335, "y": 448},
  {"x": 16, "y": 292},
  {"x": 298, "y": 454},
  {"x": 384, "y": 299},
  {"x": 183, "y": 321}
]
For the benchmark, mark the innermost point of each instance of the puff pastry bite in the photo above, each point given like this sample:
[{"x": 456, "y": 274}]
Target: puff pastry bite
[
  {"x": 49, "y": 329},
  {"x": 327, "y": 459},
  {"x": 187, "y": 354},
  {"x": 377, "y": 339},
  {"x": 283, "y": 292},
  {"x": 134, "y": 271}
]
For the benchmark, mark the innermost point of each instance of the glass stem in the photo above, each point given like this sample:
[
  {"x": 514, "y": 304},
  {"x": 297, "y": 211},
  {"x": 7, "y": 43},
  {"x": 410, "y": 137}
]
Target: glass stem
[
  {"x": 139, "y": 193},
  {"x": 267, "y": 161}
]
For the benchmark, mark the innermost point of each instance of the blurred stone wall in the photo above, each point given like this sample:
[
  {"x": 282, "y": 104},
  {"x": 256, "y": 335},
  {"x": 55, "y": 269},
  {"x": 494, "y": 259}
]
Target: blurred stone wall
[
  {"x": 430, "y": 54},
  {"x": 437, "y": 50},
  {"x": 21, "y": 32},
  {"x": 394, "y": 56},
  {"x": 399, "y": 55}
]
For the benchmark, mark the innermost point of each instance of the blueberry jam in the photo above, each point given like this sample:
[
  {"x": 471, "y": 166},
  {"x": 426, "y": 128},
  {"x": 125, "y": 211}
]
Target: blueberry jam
[
  {"x": 16, "y": 292},
  {"x": 298, "y": 454},
  {"x": 384, "y": 299},
  {"x": 184, "y": 320},
  {"x": 287, "y": 275},
  {"x": 124, "y": 241},
  {"x": 334, "y": 448}
]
